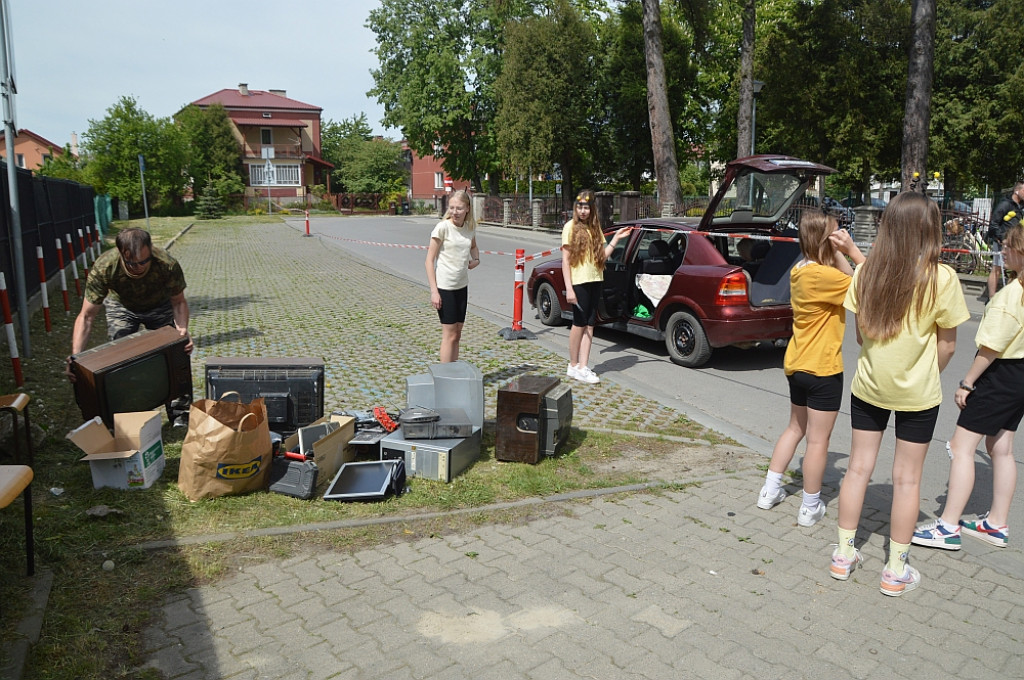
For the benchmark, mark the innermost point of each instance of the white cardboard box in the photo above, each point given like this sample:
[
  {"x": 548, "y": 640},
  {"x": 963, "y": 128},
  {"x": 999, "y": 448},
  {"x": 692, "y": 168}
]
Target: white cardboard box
[{"x": 133, "y": 458}]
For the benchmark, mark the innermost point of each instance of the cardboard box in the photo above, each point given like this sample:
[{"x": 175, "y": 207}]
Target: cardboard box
[
  {"x": 133, "y": 458},
  {"x": 332, "y": 451}
]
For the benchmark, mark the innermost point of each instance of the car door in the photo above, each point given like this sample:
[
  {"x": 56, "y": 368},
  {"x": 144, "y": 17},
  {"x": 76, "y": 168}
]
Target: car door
[{"x": 615, "y": 293}]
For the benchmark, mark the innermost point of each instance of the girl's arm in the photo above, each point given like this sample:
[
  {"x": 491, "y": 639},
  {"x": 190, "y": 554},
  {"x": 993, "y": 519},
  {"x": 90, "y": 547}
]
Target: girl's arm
[
  {"x": 946, "y": 340},
  {"x": 474, "y": 255},
  {"x": 433, "y": 250},
  {"x": 610, "y": 246},
  {"x": 845, "y": 247},
  {"x": 982, "y": 360},
  {"x": 570, "y": 294}
]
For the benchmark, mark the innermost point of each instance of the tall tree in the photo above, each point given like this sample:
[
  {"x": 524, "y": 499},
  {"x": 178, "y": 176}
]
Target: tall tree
[
  {"x": 744, "y": 115},
  {"x": 546, "y": 94},
  {"x": 916, "y": 117},
  {"x": 438, "y": 62},
  {"x": 623, "y": 132},
  {"x": 663, "y": 145},
  {"x": 114, "y": 145},
  {"x": 212, "y": 152}
]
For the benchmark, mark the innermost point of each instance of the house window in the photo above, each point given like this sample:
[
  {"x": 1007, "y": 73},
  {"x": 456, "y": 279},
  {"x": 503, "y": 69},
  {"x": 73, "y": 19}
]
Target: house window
[
  {"x": 19, "y": 160},
  {"x": 266, "y": 136},
  {"x": 46, "y": 157},
  {"x": 284, "y": 175},
  {"x": 439, "y": 180}
]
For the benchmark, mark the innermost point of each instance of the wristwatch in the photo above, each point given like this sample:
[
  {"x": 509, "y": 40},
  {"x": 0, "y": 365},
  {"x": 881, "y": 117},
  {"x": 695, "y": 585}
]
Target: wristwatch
[{"x": 966, "y": 387}]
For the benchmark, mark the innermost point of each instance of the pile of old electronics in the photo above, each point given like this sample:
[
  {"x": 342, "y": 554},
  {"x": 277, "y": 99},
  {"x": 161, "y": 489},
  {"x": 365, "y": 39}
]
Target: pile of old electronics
[{"x": 369, "y": 454}]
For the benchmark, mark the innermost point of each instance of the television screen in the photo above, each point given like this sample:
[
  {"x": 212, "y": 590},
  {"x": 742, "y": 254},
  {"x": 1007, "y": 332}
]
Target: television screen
[
  {"x": 138, "y": 372},
  {"x": 139, "y": 386}
]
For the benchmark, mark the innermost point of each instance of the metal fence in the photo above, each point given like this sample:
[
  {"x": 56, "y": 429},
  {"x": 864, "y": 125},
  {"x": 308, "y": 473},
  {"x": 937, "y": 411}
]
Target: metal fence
[{"x": 50, "y": 209}]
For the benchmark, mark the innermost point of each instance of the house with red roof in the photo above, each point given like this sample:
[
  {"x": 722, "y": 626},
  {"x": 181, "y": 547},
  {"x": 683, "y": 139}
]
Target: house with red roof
[
  {"x": 280, "y": 139},
  {"x": 30, "y": 150}
]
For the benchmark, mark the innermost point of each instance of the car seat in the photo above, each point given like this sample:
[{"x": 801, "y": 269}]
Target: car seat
[{"x": 659, "y": 258}]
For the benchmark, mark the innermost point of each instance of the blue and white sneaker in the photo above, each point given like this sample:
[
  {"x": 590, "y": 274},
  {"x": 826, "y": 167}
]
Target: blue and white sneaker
[
  {"x": 980, "y": 528},
  {"x": 934, "y": 535}
]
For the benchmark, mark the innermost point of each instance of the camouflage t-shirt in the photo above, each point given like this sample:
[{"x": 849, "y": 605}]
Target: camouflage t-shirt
[{"x": 162, "y": 281}]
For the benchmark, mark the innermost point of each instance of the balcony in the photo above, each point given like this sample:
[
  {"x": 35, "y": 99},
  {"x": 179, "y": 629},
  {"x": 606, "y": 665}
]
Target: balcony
[{"x": 279, "y": 150}]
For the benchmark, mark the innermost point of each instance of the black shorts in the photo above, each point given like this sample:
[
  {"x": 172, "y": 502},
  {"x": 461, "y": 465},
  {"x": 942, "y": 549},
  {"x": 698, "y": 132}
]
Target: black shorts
[
  {"x": 584, "y": 312},
  {"x": 453, "y": 305},
  {"x": 911, "y": 426},
  {"x": 997, "y": 402},
  {"x": 820, "y": 392}
]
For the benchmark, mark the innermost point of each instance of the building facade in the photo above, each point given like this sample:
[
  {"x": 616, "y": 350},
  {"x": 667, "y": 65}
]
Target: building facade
[
  {"x": 280, "y": 140},
  {"x": 30, "y": 150}
]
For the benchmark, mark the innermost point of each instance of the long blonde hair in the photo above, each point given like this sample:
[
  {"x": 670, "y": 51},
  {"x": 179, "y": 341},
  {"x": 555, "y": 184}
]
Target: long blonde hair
[
  {"x": 899, "y": 277},
  {"x": 815, "y": 226},
  {"x": 587, "y": 239},
  {"x": 462, "y": 195}
]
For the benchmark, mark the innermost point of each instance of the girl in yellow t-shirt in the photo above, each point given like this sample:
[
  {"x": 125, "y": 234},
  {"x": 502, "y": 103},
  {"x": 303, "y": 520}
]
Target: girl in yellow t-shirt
[
  {"x": 908, "y": 306},
  {"x": 992, "y": 406},
  {"x": 583, "y": 256},
  {"x": 814, "y": 359}
]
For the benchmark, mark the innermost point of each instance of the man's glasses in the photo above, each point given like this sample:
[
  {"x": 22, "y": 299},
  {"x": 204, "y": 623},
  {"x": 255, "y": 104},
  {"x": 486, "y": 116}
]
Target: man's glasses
[{"x": 136, "y": 265}]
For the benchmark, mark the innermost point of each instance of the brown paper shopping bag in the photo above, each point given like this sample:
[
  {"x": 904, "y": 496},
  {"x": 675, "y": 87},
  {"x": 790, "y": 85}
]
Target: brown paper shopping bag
[{"x": 227, "y": 449}]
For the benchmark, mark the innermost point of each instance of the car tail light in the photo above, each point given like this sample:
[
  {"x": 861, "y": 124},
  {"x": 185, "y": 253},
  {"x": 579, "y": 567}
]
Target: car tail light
[{"x": 732, "y": 290}]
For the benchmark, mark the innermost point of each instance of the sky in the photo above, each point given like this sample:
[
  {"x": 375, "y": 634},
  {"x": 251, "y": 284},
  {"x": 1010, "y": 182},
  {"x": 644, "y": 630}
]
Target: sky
[{"x": 73, "y": 60}]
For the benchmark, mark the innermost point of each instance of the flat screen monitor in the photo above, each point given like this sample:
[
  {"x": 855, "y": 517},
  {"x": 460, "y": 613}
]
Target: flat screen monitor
[
  {"x": 292, "y": 387},
  {"x": 138, "y": 372}
]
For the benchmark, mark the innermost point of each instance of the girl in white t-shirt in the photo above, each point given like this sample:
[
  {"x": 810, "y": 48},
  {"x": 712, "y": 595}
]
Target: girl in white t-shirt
[
  {"x": 450, "y": 256},
  {"x": 908, "y": 306}
]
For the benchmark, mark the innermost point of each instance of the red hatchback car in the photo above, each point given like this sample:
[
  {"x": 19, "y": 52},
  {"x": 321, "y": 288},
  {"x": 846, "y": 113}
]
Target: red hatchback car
[{"x": 694, "y": 291}]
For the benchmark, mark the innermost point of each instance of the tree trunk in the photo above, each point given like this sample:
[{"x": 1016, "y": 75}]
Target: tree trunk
[
  {"x": 917, "y": 114},
  {"x": 744, "y": 128},
  {"x": 663, "y": 142}
]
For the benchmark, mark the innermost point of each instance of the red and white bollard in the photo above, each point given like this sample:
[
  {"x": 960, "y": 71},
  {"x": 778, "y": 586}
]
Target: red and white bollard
[
  {"x": 517, "y": 332},
  {"x": 517, "y": 296},
  {"x": 307, "y": 221},
  {"x": 85, "y": 255},
  {"x": 74, "y": 265},
  {"x": 43, "y": 293},
  {"x": 63, "y": 278},
  {"x": 97, "y": 248},
  {"x": 12, "y": 343}
]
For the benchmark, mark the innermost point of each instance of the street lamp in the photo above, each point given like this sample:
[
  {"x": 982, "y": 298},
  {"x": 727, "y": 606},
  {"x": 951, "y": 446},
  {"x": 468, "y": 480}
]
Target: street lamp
[{"x": 753, "y": 114}]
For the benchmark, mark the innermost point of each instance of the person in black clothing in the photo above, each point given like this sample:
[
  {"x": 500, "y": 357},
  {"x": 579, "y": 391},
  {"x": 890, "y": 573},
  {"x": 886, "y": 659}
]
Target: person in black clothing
[{"x": 1006, "y": 214}]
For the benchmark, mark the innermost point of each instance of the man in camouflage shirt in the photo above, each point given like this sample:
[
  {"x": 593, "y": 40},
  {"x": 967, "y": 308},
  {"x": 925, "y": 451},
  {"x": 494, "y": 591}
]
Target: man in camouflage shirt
[{"x": 139, "y": 285}]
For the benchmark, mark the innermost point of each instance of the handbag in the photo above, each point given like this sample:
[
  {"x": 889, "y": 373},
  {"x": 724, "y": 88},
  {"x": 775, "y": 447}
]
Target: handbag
[{"x": 227, "y": 449}]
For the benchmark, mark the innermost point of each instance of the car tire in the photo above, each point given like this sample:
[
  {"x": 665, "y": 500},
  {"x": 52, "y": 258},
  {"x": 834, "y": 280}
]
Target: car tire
[
  {"x": 548, "y": 308},
  {"x": 686, "y": 341}
]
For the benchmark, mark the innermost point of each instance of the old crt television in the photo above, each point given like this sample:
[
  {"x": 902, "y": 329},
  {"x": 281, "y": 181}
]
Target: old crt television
[
  {"x": 138, "y": 372},
  {"x": 292, "y": 387}
]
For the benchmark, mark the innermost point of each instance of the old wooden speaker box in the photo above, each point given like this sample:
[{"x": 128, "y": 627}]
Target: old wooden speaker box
[{"x": 519, "y": 437}]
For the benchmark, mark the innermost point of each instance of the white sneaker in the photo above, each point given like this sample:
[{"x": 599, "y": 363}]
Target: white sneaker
[
  {"x": 766, "y": 501},
  {"x": 572, "y": 372},
  {"x": 807, "y": 517},
  {"x": 586, "y": 375}
]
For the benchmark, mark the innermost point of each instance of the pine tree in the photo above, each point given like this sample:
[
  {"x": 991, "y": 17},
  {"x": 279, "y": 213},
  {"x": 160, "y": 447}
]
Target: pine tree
[{"x": 209, "y": 205}]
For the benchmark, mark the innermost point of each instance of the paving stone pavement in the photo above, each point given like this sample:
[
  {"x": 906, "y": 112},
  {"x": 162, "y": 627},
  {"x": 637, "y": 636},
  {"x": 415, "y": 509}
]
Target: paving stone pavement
[{"x": 687, "y": 581}]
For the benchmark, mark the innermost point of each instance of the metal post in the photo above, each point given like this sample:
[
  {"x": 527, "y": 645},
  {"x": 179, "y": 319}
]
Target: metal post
[
  {"x": 9, "y": 89},
  {"x": 142, "y": 175}
]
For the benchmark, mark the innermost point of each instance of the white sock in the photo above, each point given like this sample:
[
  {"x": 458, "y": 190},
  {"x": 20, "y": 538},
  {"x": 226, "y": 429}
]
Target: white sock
[
  {"x": 773, "y": 481},
  {"x": 811, "y": 500},
  {"x": 947, "y": 526}
]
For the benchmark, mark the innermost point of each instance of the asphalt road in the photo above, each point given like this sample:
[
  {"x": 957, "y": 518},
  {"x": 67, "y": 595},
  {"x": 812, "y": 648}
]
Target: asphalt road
[{"x": 741, "y": 393}]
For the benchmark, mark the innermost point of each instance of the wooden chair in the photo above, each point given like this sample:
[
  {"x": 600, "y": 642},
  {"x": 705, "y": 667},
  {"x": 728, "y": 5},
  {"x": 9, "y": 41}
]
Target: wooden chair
[
  {"x": 17, "y": 404},
  {"x": 14, "y": 480},
  {"x": 17, "y": 479}
]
